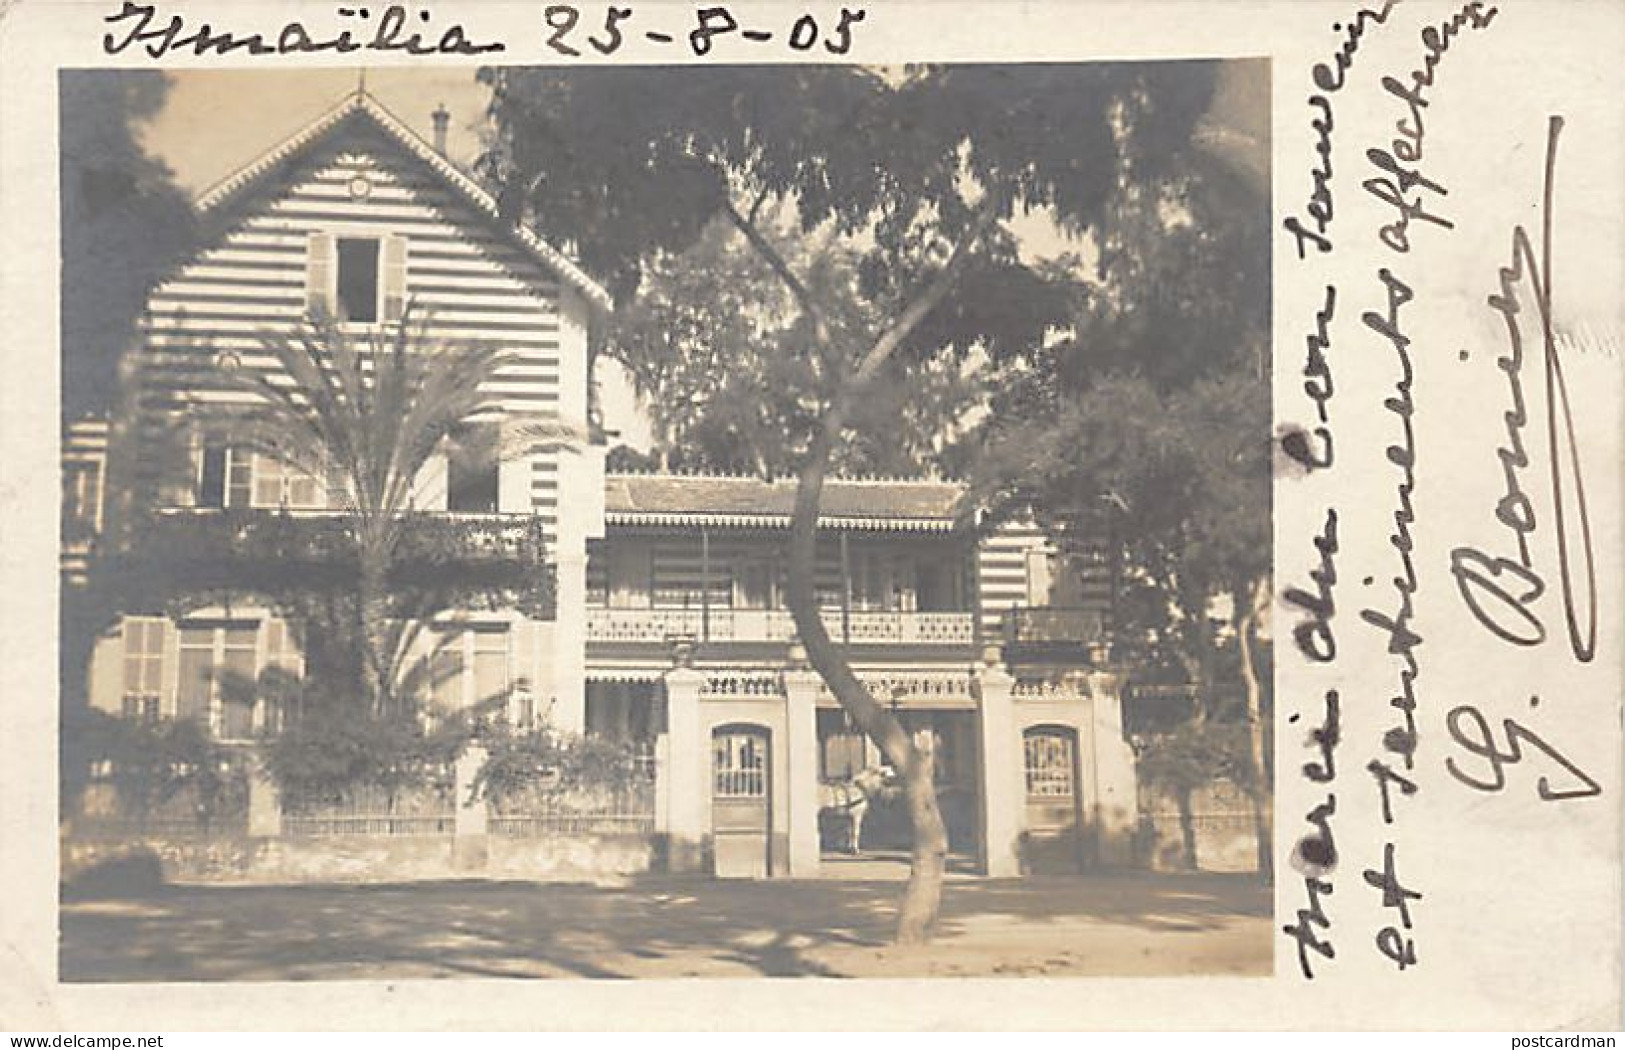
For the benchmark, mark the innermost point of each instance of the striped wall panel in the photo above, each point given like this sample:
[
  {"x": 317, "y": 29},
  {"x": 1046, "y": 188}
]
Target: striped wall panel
[
  {"x": 464, "y": 277},
  {"x": 1002, "y": 569}
]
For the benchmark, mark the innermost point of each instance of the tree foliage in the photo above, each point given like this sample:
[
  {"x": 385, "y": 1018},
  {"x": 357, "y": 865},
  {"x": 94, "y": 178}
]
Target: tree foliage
[
  {"x": 723, "y": 356},
  {"x": 1148, "y": 417},
  {"x": 336, "y": 751},
  {"x": 539, "y": 764},
  {"x": 124, "y": 221}
]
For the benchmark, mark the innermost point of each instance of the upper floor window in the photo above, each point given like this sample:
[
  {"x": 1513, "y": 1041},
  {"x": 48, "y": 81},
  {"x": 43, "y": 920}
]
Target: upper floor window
[
  {"x": 356, "y": 279},
  {"x": 276, "y": 484},
  {"x": 230, "y": 476},
  {"x": 756, "y": 584},
  {"x": 473, "y": 472},
  {"x": 225, "y": 477}
]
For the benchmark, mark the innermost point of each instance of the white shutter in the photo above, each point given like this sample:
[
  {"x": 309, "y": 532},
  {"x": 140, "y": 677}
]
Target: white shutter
[
  {"x": 319, "y": 267},
  {"x": 394, "y": 277}
]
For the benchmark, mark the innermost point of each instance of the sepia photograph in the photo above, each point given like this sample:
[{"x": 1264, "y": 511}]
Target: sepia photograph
[{"x": 666, "y": 521}]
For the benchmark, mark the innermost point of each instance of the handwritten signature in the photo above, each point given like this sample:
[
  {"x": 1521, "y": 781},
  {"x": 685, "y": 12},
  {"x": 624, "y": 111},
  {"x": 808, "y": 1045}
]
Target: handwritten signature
[
  {"x": 1469, "y": 728},
  {"x": 1499, "y": 590}
]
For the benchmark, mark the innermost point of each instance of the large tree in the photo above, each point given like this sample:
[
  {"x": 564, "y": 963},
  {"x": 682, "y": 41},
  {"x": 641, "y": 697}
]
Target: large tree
[
  {"x": 124, "y": 221},
  {"x": 1149, "y": 420},
  {"x": 916, "y": 172}
]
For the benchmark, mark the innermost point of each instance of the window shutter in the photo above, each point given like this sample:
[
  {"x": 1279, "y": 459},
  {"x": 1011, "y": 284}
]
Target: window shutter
[
  {"x": 319, "y": 253},
  {"x": 394, "y": 266}
]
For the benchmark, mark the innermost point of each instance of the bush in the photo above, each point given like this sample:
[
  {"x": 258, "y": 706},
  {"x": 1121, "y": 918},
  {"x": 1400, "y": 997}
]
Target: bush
[
  {"x": 526, "y": 764},
  {"x": 1195, "y": 755},
  {"x": 335, "y": 752},
  {"x": 152, "y": 764}
]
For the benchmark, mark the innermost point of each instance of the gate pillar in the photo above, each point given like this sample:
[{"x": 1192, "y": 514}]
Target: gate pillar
[
  {"x": 1002, "y": 790},
  {"x": 801, "y": 695},
  {"x": 688, "y": 792}
]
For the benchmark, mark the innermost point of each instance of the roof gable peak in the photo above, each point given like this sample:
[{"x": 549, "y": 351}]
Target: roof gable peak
[{"x": 360, "y": 103}]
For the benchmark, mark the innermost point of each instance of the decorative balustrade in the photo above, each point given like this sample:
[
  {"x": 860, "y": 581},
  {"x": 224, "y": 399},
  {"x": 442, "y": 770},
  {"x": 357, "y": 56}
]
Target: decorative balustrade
[
  {"x": 651, "y": 626},
  {"x": 935, "y": 687},
  {"x": 656, "y": 626},
  {"x": 742, "y": 685},
  {"x": 1047, "y": 689}
]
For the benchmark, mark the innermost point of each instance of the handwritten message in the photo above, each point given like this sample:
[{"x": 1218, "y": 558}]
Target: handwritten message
[{"x": 1373, "y": 319}]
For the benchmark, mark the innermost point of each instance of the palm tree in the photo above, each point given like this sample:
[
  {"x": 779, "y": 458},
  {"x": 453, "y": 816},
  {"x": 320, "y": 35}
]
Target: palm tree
[{"x": 366, "y": 414}]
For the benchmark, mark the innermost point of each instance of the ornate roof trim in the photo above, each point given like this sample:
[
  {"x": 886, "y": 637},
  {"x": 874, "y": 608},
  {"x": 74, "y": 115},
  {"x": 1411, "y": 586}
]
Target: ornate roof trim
[
  {"x": 777, "y": 521},
  {"x": 358, "y": 102}
]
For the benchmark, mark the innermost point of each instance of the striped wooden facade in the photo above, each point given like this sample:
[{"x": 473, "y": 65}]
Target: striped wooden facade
[
  {"x": 1018, "y": 566},
  {"x": 269, "y": 259},
  {"x": 84, "y": 481}
]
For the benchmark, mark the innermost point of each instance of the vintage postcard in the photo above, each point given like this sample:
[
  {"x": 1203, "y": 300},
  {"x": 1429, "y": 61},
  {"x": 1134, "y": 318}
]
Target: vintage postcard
[{"x": 899, "y": 515}]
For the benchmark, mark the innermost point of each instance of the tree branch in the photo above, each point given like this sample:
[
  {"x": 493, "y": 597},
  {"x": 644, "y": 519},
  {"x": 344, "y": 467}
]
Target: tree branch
[
  {"x": 756, "y": 205},
  {"x": 935, "y": 292},
  {"x": 775, "y": 260}
]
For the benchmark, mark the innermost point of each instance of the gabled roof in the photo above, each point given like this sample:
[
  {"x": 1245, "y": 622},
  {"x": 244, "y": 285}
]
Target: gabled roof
[
  {"x": 360, "y": 104},
  {"x": 747, "y": 502}
]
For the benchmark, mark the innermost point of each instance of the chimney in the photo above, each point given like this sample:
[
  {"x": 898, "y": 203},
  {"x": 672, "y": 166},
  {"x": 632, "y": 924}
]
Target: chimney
[{"x": 441, "y": 120}]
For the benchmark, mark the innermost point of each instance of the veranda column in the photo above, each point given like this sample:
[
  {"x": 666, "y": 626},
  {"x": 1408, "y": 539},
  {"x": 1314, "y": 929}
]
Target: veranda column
[
  {"x": 1116, "y": 782},
  {"x": 689, "y": 762},
  {"x": 801, "y": 716},
  {"x": 569, "y": 714},
  {"x": 1003, "y": 790}
]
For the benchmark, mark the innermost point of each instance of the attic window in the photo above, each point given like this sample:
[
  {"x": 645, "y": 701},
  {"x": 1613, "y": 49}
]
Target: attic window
[
  {"x": 361, "y": 280},
  {"x": 358, "y": 279}
]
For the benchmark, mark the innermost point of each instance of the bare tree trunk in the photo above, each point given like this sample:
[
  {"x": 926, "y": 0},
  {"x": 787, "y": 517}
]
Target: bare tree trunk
[
  {"x": 1247, "y": 614},
  {"x": 1187, "y": 828},
  {"x": 922, "y": 896}
]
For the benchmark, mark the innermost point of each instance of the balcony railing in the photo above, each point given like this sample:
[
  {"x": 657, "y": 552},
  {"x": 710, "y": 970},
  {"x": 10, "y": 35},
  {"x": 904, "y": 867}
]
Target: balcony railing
[
  {"x": 656, "y": 626},
  {"x": 1051, "y": 626}
]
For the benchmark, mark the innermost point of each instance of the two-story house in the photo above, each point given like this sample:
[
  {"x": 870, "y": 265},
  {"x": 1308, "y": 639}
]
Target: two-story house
[{"x": 671, "y": 627}]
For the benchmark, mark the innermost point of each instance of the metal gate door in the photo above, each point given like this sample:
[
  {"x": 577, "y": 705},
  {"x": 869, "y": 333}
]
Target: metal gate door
[
  {"x": 741, "y": 801},
  {"x": 1054, "y": 834}
]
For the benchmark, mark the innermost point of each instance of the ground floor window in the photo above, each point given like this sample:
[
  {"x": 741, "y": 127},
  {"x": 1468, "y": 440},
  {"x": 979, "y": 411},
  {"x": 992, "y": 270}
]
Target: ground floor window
[
  {"x": 143, "y": 667},
  {"x": 633, "y": 713},
  {"x": 468, "y": 668},
  {"x": 216, "y": 682}
]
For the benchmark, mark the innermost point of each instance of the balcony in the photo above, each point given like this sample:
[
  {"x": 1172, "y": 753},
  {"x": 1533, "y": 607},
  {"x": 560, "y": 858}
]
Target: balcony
[
  {"x": 657, "y": 626},
  {"x": 1053, "y": 631}
]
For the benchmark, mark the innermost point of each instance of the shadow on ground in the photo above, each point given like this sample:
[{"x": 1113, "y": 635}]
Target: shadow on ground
[{"x": 662, "y": 927}]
